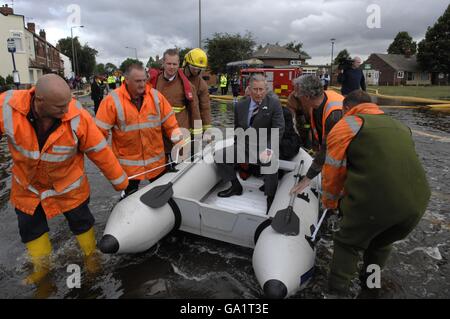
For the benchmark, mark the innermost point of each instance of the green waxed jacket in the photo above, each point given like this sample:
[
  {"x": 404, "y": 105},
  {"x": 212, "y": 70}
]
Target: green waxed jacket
[{"x": 385, "y": 182}]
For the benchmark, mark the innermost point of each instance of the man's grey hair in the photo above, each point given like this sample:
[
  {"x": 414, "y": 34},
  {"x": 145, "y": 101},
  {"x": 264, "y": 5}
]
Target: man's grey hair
[
  {"x": 308, "y": 85},
  {"x": 257, "y": 78}
]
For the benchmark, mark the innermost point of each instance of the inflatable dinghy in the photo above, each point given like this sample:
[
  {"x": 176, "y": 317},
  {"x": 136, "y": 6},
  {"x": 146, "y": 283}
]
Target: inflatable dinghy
[{"x": 283, "y": 262}]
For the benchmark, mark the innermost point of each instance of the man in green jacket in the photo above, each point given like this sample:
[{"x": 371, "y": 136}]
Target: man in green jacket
[{"x": 373, "y": 175}]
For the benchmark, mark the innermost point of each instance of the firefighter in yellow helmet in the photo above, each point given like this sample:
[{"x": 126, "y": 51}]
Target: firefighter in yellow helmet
[{"x": 195, "y": 61}]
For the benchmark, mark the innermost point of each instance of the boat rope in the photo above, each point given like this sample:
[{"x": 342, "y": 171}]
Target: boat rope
[{"x": 169, "y": 163}]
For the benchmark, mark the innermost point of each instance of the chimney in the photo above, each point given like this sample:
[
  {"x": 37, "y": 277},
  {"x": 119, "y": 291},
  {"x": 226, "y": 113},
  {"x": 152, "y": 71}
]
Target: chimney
[
  {"x": 31, "y": 27},
  {"x": 6, "y": 10},
  {"x": 42, "y": 33}
]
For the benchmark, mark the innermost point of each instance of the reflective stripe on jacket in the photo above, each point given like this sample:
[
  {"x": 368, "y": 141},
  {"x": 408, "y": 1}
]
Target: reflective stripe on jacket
[
  {"x": 55, "y": 175},
  {"x": 223, "y": 81},
  {"x": 334, "y": 171},
  {"x": 334, "y": 102},
  {"x": 137, "y": 135}
]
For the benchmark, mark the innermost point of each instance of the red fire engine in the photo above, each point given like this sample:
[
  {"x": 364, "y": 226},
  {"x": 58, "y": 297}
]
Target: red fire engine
[{"x": 278, "y": 80}]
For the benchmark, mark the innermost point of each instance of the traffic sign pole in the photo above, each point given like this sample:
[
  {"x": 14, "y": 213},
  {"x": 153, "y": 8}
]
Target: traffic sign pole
[{"x": 12, "y": 49}]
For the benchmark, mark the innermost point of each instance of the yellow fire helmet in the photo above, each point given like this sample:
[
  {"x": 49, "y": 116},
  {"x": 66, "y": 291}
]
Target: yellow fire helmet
[{"x": 197, "y": 58}]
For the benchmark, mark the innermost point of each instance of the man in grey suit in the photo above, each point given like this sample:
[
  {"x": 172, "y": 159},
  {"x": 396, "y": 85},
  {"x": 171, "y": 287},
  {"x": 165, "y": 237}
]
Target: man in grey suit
[{"x": 261, "y": 117}]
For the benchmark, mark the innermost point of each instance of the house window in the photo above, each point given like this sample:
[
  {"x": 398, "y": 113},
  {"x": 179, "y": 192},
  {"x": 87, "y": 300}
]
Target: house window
[
  {"x": 31, "y": 74},
  {"x": 400, "y": 74},
  {"x": 410, "y": 76},
  {"x": 17, "y": 36},
  {"x": 424, "y": 76}
]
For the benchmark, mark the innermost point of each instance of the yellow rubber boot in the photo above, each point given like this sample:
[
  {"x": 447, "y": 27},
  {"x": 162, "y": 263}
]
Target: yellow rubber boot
[
  {"x": 39, "y": 251},
  {"x": 88, "y": 245},
  {"x": 87, "y": 242}
]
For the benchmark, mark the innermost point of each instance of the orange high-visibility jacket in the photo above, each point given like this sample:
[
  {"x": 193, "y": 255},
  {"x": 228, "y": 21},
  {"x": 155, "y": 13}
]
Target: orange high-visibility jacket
[
  {"x": 53, "y": 176},
  {"x": 334, "y": 102},
  {"x": 334, "y": 170},
  {"x": 137, "y": 136}
]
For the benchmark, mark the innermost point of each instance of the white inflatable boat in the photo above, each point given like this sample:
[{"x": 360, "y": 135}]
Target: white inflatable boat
[{"x": 283, "y": 263}]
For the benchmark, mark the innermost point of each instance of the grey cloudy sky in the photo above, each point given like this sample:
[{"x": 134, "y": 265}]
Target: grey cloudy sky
[{"x": 154, "y": 25}]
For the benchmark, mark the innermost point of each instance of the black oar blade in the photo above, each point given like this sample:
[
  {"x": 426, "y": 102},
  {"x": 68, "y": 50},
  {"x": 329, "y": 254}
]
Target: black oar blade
[
  {"x": 286, "y": 222},
  {"x": 158, "y": 196}
]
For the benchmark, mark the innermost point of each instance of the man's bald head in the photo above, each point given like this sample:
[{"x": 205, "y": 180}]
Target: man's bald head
[
  {"x": 52, "y": 96},
  {"x": 51, "y": 85}
]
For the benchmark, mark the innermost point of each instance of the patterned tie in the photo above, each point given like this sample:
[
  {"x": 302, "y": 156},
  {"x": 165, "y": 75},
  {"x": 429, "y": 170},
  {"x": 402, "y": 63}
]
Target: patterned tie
[{"x": 255, "y": 111}]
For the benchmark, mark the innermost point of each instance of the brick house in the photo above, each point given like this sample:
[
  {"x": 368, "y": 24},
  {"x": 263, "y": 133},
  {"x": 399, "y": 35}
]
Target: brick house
[
  {"x": 47, "y": 57},
  {"x": 34, "y": 56},
  {"x": 394, "y": 69},
  {"x": 275, "y": 55}
]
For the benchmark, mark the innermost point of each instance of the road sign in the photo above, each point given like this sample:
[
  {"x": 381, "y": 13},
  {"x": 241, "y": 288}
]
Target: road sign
[
  {"x": 11, "y": 45},
  {"x": 16, "y": 77}
]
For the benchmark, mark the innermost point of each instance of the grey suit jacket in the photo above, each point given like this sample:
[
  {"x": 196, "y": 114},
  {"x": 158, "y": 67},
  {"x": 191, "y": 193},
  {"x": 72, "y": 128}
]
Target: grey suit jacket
[{"x": 270, "y": 115}]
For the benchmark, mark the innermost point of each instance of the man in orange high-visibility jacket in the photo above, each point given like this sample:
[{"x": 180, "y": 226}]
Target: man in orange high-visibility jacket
[
  {"x": 48, "y": 134},
  {"x": 138, "y": 116},
  {"x": 374, "y": 176},
  {"x": 325, "y": 110}
]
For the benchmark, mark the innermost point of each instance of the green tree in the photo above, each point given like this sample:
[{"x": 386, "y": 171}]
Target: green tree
[
  {"x": 224, "y": 47},
  {"x": 86, "y": 60},
  {"x": 183, "y": 52},
  {"x": 100, "y": 69},
  {"x": 434, "y": 51},
  {"x": 124, "y": 65},
  {"x": 9, "y": 79},
  {"x": 403, "y": 44},
  {"x": 342, "y": 57},
  {"x": 109, "y": 67},
  {"x": 297, "y": 48},
  {"x": 6, "y": 84},
  {"x": 153, "y": 64},
  {"x": 85, "y": 55}
]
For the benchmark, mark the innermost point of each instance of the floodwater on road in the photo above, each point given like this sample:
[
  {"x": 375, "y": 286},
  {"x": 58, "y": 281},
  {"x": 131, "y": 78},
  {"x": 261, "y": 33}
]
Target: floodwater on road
[{"x": 189, "y": 266}]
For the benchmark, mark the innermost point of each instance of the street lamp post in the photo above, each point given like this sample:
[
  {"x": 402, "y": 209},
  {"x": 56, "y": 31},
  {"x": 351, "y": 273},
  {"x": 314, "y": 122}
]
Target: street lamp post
[
  {"x": 200, "y": 24},
  {"x": 331, "y": 65},
  {"x": 73, "y": 48},
  {"x": 135, "y": 51}
]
